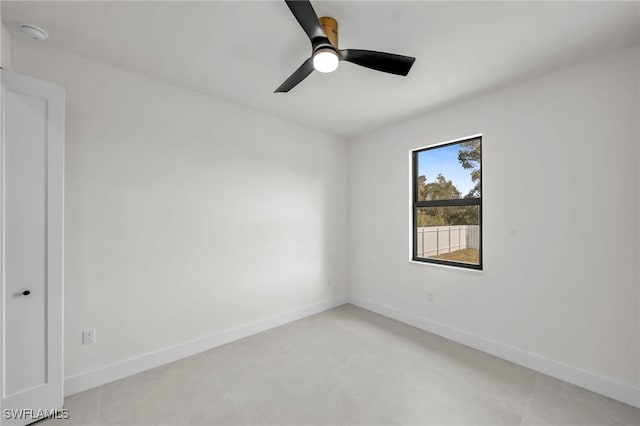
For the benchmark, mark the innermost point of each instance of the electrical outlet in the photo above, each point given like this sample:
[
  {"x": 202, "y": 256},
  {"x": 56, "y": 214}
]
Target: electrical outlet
[
  {"x": 89, "y": 336},
  {"x": 430, "y": 297}
]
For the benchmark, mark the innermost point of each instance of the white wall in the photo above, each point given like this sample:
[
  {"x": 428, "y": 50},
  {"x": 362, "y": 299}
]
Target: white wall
[
  {"x": 561, "y": 196},
  {"x": 185, "y": 215}
]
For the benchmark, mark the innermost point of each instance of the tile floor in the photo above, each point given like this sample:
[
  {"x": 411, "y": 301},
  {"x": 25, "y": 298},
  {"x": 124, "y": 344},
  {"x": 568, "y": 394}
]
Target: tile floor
[{"x": 346, "y": 366}]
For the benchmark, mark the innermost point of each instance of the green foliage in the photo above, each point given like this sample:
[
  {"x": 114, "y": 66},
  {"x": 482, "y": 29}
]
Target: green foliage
[
  {"x": 469, "y": 156},
  {"x": 441, "y": 189},
  {"x": 445, "y": 216}
]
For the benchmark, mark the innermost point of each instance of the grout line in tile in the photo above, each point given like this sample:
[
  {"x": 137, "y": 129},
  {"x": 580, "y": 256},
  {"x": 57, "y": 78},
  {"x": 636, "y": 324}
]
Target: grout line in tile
[
  {"x": 533, "y": 390},
  {"x": 99, "y": 406},
  {"x": 239, "y": 407}
]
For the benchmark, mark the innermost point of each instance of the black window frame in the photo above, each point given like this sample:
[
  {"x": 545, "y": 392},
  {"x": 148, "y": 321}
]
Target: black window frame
[{"x": 415, "y": 204}]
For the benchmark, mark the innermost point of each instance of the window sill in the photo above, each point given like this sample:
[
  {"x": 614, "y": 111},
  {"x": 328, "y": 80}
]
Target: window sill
[{"x": 455, "y": 268}]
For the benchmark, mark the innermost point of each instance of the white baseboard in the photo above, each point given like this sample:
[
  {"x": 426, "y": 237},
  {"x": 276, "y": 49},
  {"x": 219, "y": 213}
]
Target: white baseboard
[
  {"x": 593, "y": 382},
  {"x": 90, "y": 379}
]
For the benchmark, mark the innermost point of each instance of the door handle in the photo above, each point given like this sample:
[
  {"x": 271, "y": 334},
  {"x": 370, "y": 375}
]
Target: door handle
[{"x": 26, "y": 293}]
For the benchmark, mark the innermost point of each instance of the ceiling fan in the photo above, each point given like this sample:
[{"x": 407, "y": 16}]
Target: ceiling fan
[{"x": 326, "y": 56}]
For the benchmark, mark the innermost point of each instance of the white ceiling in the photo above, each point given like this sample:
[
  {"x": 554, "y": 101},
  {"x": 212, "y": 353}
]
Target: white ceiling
[{"x": 241, "y": 51}]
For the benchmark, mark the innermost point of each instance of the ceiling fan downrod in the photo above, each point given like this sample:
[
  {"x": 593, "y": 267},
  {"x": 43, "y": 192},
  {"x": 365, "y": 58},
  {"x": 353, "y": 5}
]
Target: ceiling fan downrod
[{"x": 330, "y": 27}]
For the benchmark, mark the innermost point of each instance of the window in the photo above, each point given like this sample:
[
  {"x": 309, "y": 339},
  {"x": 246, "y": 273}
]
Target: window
[{"x": 447, "y": 203}]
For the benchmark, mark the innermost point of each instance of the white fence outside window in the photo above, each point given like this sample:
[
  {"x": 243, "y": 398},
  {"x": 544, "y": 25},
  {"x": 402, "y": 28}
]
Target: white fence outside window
[{"x": 436, "y": 240}]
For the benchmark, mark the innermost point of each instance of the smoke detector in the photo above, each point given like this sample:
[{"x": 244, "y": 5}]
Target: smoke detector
[{"x": 34, "y": 32}]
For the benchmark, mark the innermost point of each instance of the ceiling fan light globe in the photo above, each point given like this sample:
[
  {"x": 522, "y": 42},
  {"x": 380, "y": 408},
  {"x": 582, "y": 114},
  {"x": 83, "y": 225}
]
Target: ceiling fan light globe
[{"x": 325, "y": 60}]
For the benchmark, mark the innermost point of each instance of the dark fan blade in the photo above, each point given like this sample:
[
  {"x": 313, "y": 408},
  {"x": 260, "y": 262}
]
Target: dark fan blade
[
  {"x": 306, "y": 16},
  {"x": 380, "y": 61},
  {"x": 300, "y": 74}
]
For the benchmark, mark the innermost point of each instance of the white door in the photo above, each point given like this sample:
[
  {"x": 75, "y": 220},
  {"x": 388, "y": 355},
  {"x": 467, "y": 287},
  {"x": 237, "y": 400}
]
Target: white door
[{"x": 31, "y": 230}]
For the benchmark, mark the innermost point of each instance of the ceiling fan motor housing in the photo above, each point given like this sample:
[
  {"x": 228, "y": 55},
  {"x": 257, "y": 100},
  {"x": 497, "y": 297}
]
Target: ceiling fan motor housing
[
  {"x": 330, "y": 27},
  {"x": 326, "y": 55}
]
